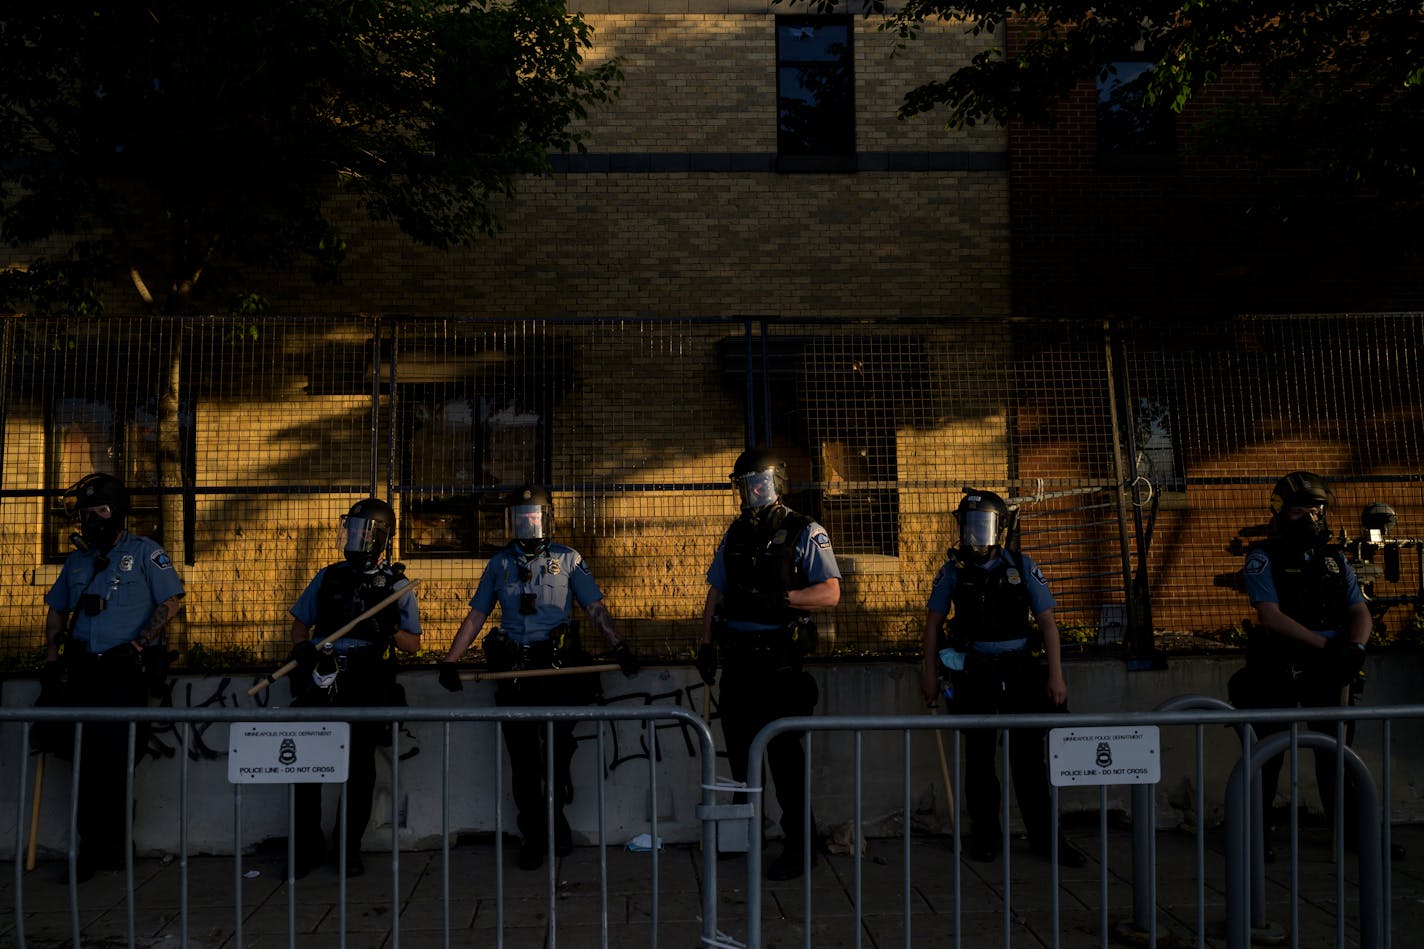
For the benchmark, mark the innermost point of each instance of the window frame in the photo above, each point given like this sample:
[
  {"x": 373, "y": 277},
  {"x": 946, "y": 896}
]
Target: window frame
[
  {"x": 481, "y": 506},
  {"x": 792, "y": 151},
  {"x": 1123, "y": 152}
]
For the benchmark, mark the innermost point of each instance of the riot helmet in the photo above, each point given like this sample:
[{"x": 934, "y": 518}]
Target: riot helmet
[
  {"x": 365, "y": 531},
  {"x": 759, "y": 475},
  {"x": 101, "y": 503},
  {"x": 1377, "y": 520},
  {"x": 1299, "y": 503},
  {"x": 983, "y": 519},
  {"x": 529, "y": 519}
]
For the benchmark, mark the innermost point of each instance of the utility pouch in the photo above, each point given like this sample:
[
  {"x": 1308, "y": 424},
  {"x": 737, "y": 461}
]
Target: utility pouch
[
  {"x": 502, "y": 653},
  {"x": 804, "y": 636}
]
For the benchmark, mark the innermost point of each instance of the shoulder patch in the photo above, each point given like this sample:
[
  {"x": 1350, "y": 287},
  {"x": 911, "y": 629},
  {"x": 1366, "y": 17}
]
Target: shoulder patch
[
  {"x": 1038, "y": 576},
  {"x": 160, "y": 559},
  {"x": 582, "y": 567},
  {"x": 821, "y": 539},
  {"x": 1255, "y": 564}
]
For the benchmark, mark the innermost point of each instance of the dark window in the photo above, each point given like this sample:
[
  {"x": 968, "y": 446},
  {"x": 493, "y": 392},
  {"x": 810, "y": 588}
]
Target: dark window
[
  {"x": 88, "y": 435},
  {"x": 833, "y": 406},
  {"x": 464, "y": 450},
  {"x": 473, "y": 411},
  {"x": 1130, "y": 130},
  {"x": 815, "y": 86}
]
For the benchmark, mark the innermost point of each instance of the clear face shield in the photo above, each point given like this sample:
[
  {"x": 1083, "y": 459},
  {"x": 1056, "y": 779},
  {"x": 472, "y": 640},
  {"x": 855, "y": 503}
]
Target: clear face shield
[
  {"x": 362, "y": 536},
  {"x": 757, "y": 489},
  {"x": 528, "y": 524},
  {"x": 979, "y": 530}
]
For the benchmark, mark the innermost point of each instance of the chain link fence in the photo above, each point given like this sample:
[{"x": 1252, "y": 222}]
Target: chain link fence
[{"x": 1141, "y": 458}]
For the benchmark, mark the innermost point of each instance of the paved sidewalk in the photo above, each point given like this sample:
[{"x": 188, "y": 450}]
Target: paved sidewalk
[{"x": 477, "y": 916}]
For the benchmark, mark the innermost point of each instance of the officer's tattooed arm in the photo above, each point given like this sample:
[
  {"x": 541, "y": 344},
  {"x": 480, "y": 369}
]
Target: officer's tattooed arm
[
  {"x": 603, "y": 620},
  {"x": 1057, "y": 687},
  {"x": 55, "y": 623},
  {"x": 162, "y": 613},
  {"x": 469, "y": 629}
]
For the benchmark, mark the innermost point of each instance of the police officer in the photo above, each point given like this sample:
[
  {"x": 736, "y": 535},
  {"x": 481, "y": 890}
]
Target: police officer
[
  {"x": 1307, "y": 646},
  {"x": 536, "y": 583},
  {"x": 772, "y": 567},
  {"x": 110, "y": 603},
  {"x": 356, "y": 670},
  {"x": 989, "y": 594}
]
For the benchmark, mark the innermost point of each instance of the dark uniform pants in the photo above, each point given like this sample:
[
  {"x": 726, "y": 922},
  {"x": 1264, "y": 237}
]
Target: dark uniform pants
[
  {"x": 355, "y": 687},
  {"x": 1006, "y": 685},
  {"x": 526, "y": 744},
  {"x": 106, "y": 681},
  {"x": 751, "y": 698},
  {"x": 1264, "y": 683}
]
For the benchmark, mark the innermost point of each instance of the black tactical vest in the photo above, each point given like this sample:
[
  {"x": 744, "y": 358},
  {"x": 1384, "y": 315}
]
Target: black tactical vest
[
  {"x": 346, "y": 592},
  {"x": 1310, "y": 591},
  {"x": 990, "y": 605},
  {"x": 760, "y": 558}
]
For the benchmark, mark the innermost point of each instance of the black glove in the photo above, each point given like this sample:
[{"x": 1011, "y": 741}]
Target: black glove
[
  {"x": 627, "y": 662},
  {"x": 156, "y": 659},
  {"x": 304, "y": 655},
  {"x": 707, "y": 663},
  {"x": 450, "y": 677},
  {"x": 1344, "y": 660}
]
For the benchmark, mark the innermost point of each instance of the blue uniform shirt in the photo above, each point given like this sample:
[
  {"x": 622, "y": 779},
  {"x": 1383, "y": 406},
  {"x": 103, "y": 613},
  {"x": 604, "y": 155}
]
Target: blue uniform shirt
[
  {"x": 1261, "y": 584},
  {"x": 304, "y": 610},
  {"x": 1040, "y": 598},
  {"x": 139, "y": 577},
  {"x": 557, "y": 577},
  {"x": 814, "y": 557}
]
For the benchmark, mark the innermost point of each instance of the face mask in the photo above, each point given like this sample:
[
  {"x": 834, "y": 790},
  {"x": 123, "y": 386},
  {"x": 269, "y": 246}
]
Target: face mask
[
  {"x": 99, "y": 532},
  {"x": 1304, "y": 532}
]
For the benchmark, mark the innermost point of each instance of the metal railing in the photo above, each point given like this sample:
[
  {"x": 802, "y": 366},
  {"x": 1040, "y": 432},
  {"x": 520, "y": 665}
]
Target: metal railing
[
  {"x": 1245, "y": 914},
  {"x": 184, "y": 719}
]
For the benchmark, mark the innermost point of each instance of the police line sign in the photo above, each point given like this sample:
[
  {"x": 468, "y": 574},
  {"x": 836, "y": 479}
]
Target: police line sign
[
  {"x": 288, "y": 752},
  {"x": 1079, "y": 756}
]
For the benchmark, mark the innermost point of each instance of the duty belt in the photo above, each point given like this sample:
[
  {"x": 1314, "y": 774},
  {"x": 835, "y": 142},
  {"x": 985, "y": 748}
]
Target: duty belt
[
  {"x": 763, "y": 647},
  {"x": 995, "y": 662}
]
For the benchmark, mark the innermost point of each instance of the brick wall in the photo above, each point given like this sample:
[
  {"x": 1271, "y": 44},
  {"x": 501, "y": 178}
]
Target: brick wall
[{"x": 1199, "y": 235}]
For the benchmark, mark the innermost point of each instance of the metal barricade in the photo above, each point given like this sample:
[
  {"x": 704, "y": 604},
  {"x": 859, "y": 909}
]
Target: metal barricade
[
  {"x": 185, "y": 719},
  {"x": 1374, "y": 884}
]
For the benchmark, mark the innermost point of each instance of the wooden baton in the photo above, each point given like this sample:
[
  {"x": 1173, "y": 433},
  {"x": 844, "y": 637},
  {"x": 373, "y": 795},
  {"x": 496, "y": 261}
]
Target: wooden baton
[
  {"x": 536, "y": 673},
  {"x": 944, "y": 769},
  {"x": 292, "y": 663},
  {"x": 35, "y": 814}
]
